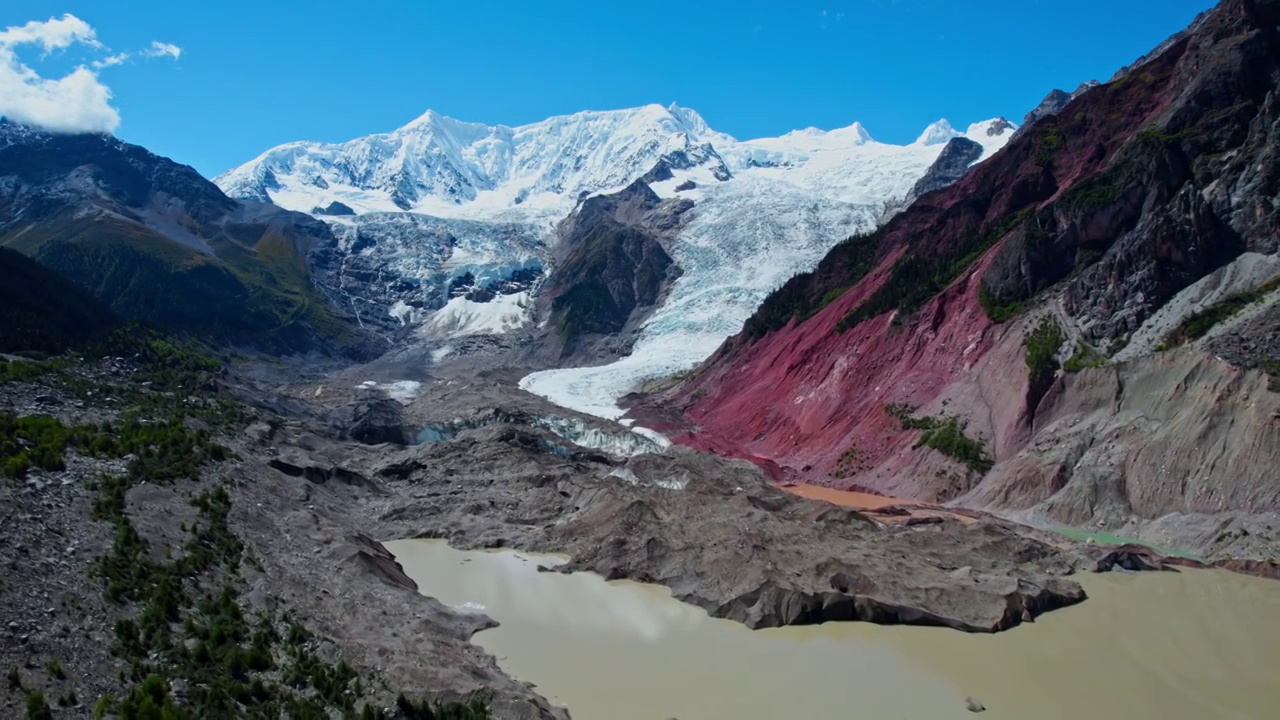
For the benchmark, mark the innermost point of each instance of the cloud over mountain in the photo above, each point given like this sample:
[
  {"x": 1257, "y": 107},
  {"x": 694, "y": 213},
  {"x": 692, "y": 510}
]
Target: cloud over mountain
[{"x": 77, "y": 102}]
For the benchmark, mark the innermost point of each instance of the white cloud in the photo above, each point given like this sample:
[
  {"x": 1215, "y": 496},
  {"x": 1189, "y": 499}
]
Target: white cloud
[
  {"x": 52, "y": 34},
  {"x": 111, "y": 60},
  {"x": 77, "y": 102},
  {"x": 163, "y": 49}
]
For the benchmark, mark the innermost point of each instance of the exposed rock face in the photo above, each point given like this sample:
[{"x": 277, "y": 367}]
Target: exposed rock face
[
  {"x": 1096, "y": 217},
  {"x": 610, "y": 271},
  {"x": 695, "y": 156},
  {"x": 957, "y": 158},
  {"x": 1174, "y": 433},
  {"x": 378, "y": 421},
  {"x": 950, "y": 166},
  {"x": 333, "y": 208},
  {"x": 1052, "y": 104}
]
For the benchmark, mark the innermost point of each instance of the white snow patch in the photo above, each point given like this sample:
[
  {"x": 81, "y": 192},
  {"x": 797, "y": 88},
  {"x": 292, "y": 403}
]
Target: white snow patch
[
  {"x": 440, "y": 353},
  {"x": 461, "y": 317},
  {"x": 402, "y": 391},
  {"x": 630, "y": 478},
  {"x": 938, "y": 133},
  {"x": 536, "y": 173},
  {"x": 657, "y": 437},
  {"x": 624, "y": 475},
  {"x": 405, "y": 313}
]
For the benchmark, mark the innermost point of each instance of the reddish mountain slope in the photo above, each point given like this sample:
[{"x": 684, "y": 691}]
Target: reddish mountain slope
[{"x": 1095, "y": 218}]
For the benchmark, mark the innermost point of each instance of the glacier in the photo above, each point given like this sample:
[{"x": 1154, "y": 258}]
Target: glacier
[{"x": 439, "y": 199}]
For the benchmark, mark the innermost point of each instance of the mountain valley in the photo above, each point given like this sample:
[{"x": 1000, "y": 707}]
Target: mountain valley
[{"x": 805, "y": 380}]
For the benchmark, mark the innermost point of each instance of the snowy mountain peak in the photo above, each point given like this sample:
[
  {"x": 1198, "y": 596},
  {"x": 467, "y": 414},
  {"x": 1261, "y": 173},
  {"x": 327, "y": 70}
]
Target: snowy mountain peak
[
  {"x": 855, "y": 134},
  {"x": 938, "y": 133},
  {"x": 994, "y": 127},
  {"x": 690, "y": 119},
  {"x": 433, "y": 122},
  {"x": 437, "y": 165},
  {"x": 811, "y": 137}
]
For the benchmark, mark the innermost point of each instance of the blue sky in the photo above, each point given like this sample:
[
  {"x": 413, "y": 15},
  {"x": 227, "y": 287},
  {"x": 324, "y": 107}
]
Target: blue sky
[{"x": 255, "y": 74}]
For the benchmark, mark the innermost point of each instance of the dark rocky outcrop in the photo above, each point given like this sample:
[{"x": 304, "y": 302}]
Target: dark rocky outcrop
[
  {"x": 316, "y": 470},
  {"x": 611, "y": 269},
  {"x": 380, "y": 563},
  {"x": 951, "y": 165},
  {"x": 378, "y": 421},
  {"x": 1134, "y": 558},
  {"x": 1052, "y": 104},
  {"x": 334, "y": 208},
  {"x": 696, "y": 156}
]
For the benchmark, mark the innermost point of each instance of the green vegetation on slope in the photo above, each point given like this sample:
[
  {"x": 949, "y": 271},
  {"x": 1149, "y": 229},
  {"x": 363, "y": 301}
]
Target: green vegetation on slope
[
  {"x": 1085, "y": 356},
  {"x": 849, "y": 262},
  {"x": 1051, "y": 142},
  {"x": 998, "y": 310},
  {"x": 1198, "y": 324},
  {"x": 915, "y": 279},
  {"x": 851, "y": 462},
  {"x": 260, "y": 295},
  {"x": 1041, "y": 348},
  {"x": 41, "y": 312},
  {"x": 946, "y": 434}
]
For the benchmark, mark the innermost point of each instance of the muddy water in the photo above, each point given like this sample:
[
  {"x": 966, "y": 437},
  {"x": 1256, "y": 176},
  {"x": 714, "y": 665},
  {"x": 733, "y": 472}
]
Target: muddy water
[
  {"x": 1194, "y": 645},
  {"x": 847, "y": 498}
]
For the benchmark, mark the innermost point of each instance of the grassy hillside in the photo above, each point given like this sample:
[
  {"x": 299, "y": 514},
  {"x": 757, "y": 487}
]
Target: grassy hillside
[
  {"x": 260, "y": 295},
  {"x": 159, "y": 244}
]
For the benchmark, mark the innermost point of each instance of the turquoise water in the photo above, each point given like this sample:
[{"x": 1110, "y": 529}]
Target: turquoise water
[{"x": 1103, "y": 538}]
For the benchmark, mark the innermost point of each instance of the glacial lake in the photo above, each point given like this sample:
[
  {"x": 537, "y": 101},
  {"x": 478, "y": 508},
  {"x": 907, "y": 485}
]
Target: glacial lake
[{"x": 1196, "y": 644}]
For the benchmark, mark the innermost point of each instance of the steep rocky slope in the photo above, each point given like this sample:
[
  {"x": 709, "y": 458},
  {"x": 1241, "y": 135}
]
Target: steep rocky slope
[
  {"x": 157, "y": 242},
  {"x": 914, "y": 359},
  {"x": 611, "y": 270}
]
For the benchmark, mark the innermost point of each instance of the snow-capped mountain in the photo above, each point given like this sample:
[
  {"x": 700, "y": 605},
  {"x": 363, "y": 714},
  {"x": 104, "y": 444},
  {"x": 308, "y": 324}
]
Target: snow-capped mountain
[
  {"x": 440, "y": 166},
  {"x": 764, "y": 209}
]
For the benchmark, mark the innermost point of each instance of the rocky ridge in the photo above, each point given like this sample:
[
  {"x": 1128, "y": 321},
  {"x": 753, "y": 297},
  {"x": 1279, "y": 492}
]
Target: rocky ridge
[{"x": 158, "y": 243}]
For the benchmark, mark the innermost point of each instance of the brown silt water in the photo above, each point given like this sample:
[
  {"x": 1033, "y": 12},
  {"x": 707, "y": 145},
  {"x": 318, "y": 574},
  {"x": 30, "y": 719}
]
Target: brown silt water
[{"x": 1194, "y": 645}]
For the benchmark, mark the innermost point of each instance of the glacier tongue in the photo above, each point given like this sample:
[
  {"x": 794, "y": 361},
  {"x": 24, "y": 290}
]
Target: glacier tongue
[
  {"x": 746, "y": 238},
  {"x": 440, "y": 199}
]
